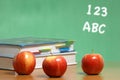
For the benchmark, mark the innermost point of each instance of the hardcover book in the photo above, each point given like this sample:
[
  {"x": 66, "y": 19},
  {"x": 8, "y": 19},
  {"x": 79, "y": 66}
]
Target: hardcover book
[
  {"x": 6, "y": 62},
  {"x": 39, "y": 46}
]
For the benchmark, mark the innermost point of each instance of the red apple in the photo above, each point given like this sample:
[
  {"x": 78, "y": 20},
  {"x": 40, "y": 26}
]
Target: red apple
[
  {"x": 92, "y": 64},
  {"x": 24, "y": 63},
  {"x": 54, "y": 66}
]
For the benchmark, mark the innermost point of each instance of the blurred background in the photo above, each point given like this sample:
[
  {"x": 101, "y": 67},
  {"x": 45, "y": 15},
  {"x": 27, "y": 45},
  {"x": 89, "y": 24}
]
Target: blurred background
[{"x": 65, "y": 19}]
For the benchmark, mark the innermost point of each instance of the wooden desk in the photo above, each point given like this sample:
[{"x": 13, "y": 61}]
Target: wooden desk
[{"x": 110, "y": 72}]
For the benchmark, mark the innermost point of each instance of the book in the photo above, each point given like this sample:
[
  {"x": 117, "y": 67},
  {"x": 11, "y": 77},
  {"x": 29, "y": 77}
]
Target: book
[
  {"x": 6, "y": 62},
  {"x": 10, "y": 47}
]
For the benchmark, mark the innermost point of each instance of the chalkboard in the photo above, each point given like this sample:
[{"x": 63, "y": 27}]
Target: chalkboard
[{"x": 93, "y": 24}]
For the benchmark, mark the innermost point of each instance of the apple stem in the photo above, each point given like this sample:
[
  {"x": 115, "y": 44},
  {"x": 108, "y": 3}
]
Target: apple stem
[{"x": 92, "y": 51}]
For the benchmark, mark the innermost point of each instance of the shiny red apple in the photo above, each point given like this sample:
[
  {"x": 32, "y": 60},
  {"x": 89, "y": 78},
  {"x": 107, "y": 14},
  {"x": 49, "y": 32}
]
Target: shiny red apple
[
  {"x": 92, "y": 64},
  {"x": 54, "y": 66},
  {"x": 24, "y": 63}
]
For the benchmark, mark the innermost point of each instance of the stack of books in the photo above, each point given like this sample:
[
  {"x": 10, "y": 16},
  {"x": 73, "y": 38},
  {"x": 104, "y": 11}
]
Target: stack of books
[{"x": 41, "y": 47}]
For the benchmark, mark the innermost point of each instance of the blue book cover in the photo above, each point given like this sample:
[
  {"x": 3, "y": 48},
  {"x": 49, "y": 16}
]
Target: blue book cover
[{"x": 31, "y": 41}]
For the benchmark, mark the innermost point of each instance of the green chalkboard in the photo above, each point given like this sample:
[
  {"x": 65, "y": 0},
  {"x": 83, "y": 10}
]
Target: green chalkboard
[{"x": 93, "y": 24}]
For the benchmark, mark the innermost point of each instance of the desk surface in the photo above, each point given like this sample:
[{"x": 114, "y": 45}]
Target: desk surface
[{"x": 110, "y": 72}]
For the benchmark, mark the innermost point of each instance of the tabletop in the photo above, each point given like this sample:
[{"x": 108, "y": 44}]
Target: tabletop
[{"x": 74, "y": 72}]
